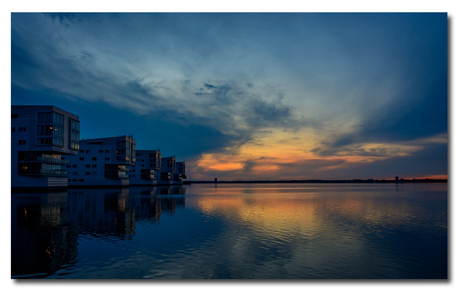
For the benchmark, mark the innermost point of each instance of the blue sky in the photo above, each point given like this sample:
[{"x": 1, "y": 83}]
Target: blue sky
[{"x": 249, "y": 96}]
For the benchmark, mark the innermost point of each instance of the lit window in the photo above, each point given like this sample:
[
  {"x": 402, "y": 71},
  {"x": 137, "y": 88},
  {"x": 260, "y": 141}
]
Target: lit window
[{"x": 74, "y": 134}]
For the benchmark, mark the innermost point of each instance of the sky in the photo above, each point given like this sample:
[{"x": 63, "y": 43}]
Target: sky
[{"x": 252, "y": 96}]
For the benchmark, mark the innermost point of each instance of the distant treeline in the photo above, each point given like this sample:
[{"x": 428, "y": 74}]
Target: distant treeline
[{"x": 327, "y": 181}]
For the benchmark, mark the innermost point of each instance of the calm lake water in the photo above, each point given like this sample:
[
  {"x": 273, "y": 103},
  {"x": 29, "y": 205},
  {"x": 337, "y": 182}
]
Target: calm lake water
[{"x": 222, "y": 231}]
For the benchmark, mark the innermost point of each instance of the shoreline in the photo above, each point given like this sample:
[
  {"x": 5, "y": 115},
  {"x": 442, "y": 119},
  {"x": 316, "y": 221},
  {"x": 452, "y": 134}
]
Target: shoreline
[{"x": 322, "y": 181}]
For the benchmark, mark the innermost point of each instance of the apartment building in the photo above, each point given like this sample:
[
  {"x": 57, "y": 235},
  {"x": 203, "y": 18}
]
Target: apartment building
[
  {"x": 143, "y": 173},
  {"x": 180, "y": 172},
  {"x": 166, "y": 174},
  {"x": 41, "y": 136},
  {"x": 102, "y": 162}
]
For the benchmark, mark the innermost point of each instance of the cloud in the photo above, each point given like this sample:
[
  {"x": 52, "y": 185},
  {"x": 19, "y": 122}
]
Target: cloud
[{"x": 328, "y": 87}]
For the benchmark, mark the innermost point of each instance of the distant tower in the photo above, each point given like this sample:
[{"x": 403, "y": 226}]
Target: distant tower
[
  {"x": 396, "y": 178},
  {"x": 215, "y": 180}
]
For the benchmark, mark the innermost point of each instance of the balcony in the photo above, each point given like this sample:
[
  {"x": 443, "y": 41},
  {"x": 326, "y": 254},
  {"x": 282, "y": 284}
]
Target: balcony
[
  {"x": 53, "y": 172},
  {"x": 165, "y": 176},
  {"x": 148, "y": 175},
  {"x": 52, "y": 160},
  {"x": 42, "y": 172},
  {"x": 111, "y": 174},
  {"x": 45, "y": 159}
]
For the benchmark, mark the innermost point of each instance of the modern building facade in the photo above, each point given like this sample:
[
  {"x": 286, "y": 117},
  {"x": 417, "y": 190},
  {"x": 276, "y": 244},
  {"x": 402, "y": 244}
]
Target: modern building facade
[
  {"x": 180, "y": 172},
  {"x": 41, "y": 137},
  {"x": 102, "y": 162},
  {"x": 168, "y": 166},
  {"x": 148, "y": 163}
]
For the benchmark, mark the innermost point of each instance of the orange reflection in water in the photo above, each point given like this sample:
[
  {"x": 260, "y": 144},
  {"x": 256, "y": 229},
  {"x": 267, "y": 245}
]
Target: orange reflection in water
[{"x": 280, "y": 214}]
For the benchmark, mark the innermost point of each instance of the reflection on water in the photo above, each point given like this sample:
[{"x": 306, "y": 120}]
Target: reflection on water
[{"x": 233, "y": 231}]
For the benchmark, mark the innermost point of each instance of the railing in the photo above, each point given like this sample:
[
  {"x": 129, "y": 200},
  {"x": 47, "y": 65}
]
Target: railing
[
  {"x": 148, "y": 175},
  {"x": 53, "y": 172},
  {"x": 111, "y": 174},
  {"x": 45, "y": 159},
  {"x": 53, "y": 160}
]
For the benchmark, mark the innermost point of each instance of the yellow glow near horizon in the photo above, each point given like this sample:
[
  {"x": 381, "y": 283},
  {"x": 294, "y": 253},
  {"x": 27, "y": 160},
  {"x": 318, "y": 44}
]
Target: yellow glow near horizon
[{"x": 270, "y": 152}]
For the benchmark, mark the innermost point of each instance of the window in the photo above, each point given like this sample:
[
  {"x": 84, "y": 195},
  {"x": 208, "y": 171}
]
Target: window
[
  {"x": 74, "y": 166},
  {"x": 82, "y": 158},
  {"x": 50, "y": 129},
  {"x": 22, "y": 142},
  {"x": 134, "y": 176},
  {"x": 74, "y": 180},
  {"x": 94, "y": 158},
  {"x": 81, "y": 180},
  {"x": 107, "y": 151},
  {"x": 74, "y": 137},
  {"x": 93, "y": 166},
  {"x": 13, "y": 129},
  {"x": 14, "y": 116},
  {"x": 107, "y": 158},
  {"x": 101, "y": 151},
  {"x": 75, "y": 173},
  {"x": 88, "y": 166},
  {"x": 87, "y": 173},
  {"x": 88, "y": 151},
  {"x": 133, "y": 171},
  {"x": 22, "y": 129},
  {"x": 82, "y": 151}
]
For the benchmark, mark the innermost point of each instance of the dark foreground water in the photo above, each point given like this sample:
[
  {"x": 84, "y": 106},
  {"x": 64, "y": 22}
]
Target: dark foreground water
[{"x": 233, "y": 231}]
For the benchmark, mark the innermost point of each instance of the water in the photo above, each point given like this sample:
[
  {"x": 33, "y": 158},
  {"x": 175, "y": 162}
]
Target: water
[{"x": 262, "y": 231}]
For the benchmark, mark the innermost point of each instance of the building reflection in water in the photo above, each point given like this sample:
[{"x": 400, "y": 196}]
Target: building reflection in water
[{"x": 45, "y": 227}]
